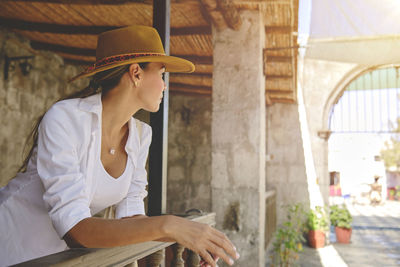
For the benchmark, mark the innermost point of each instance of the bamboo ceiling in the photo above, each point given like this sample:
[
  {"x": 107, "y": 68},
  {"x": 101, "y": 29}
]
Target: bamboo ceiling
[{"x": 69, "y": 28}]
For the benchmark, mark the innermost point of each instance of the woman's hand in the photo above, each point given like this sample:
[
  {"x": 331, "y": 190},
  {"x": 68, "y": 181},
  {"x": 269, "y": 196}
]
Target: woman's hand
[
  {"x": 203, "y": 263},
  {"x": 201, "y": 238}
]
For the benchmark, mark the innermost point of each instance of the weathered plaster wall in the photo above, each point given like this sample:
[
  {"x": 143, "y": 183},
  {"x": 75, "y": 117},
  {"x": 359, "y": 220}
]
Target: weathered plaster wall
[
  {"x": 322, "y": 81},
  {"x": 189, "y": 153},
  {"x": 285, "y": 169},
  {"x": 24, "y": 98},
  {"x": 238, "y": 136}
]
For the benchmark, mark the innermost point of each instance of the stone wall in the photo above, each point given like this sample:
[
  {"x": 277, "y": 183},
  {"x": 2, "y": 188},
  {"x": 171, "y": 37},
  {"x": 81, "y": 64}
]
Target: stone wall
[
  {"x": 23, "y": 98},
  {"x": 189, "y": 153},
  {"x": 238, "y": 136},
  {"x": 297, "y": 166},
  {"x": 322, "y": 83},
  {"x": 285, "y": 169}
]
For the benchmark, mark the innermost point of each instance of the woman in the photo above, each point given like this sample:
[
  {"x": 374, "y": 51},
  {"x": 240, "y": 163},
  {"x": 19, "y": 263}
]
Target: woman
[{"x": 89, "y": 153}]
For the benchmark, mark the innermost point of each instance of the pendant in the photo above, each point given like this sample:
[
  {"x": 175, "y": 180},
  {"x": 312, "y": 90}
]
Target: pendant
[{"x": 112, "y": 151}]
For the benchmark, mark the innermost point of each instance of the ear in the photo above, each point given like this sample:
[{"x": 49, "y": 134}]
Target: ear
[{"x": 135, "y": 73}]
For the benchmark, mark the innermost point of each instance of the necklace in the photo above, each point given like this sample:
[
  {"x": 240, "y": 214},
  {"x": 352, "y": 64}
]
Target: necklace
[{"x": 112, "y": 150}]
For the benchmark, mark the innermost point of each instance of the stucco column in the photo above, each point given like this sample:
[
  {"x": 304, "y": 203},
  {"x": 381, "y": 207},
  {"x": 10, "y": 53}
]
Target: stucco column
[{"x": 238, "y": 136}]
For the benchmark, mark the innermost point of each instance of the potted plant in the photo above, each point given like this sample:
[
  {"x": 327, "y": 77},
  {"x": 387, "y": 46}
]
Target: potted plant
[
  {"x": 289, "y": 237},
  {"x": 317, "y": 224},
  {"x": 341, "y": 219},
  {"x": 392, "y": 192}
]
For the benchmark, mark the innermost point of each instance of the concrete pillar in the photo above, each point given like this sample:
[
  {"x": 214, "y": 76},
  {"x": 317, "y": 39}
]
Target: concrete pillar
[{"x": 238, "y": 136}]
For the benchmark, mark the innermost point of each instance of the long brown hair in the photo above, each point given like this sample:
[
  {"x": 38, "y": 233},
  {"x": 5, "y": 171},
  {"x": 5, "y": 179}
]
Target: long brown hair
[{"x": 102, "y": 82}]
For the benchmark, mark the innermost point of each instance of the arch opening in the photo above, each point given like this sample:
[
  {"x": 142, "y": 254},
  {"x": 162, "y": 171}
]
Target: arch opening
[{"x": 362, "y": 120}]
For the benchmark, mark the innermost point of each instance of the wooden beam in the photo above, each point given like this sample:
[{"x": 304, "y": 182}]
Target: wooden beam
[
  {"x": 223, "y": 13},
  {"x": 204, "y": 60},
  {"x": 190, "y": 89},
  {"x": 211, "y": 10},
  {"x": 202, "y": 30},
  {"x": 88, "y": 2},
  {"x": 278, "y": 77},
  {"x": 278, "y": 29},
  {"x": 63, "y": 49},
  {"x": 53, "y": 28},
  {"x": 288, "y": 100},
  {"x": 194, "y": 74},
  {"x": 89, "y": 30},
  {"x": 230, "y": 13},
  {"x": 277, "y": 58}
]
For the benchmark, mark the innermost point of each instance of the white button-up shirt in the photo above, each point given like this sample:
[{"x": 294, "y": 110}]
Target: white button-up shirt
[{"x": 38, "y": 207}]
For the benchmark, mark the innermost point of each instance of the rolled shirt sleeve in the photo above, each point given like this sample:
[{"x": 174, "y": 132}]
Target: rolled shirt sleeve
[
  {"x": 58, "y": 166},
  {"x": 133, "y": 203}
]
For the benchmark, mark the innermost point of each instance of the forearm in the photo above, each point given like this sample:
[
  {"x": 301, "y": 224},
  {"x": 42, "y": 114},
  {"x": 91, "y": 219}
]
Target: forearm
[
  {"x": 208, "y": 242},
  {"x": 100, "y": 233}
]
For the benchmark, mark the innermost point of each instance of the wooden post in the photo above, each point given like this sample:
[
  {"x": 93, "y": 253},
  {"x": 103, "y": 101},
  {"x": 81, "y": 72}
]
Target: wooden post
[
  {"x": 177, "y": 261},
  {"x": 159, "y": 122},
  {"x": 193, "y": 259},
  {"x": 155, "y": 259}
]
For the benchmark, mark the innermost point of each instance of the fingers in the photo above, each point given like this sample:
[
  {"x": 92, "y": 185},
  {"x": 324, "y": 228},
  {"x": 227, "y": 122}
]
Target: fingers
[
  {"x": 222, "y": 241},
  {"x": 204, "y": 240},
  {"x": 207, "y": 258},
  {"x": 219, "y": 253},
  {"x": 203, "y": 263}
]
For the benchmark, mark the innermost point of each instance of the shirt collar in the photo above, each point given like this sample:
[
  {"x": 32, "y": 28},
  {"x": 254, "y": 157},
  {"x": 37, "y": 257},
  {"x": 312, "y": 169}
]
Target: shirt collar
[{"x": 91, "y": 103}]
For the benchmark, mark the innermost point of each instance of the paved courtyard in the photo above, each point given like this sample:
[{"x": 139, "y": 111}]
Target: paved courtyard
[{"x": 375, "y": 240}]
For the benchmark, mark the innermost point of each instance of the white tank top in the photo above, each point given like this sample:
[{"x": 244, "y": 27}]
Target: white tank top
[{"x": 110, "y": 190}]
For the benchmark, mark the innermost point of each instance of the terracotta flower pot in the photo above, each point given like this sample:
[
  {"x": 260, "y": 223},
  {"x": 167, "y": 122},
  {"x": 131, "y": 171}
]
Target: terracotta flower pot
[
  {"x": 343, "y": 235},
  {"x": 316, "y": 239}
]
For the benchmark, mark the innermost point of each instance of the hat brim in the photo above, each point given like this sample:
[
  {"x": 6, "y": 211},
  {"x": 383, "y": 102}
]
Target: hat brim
[{"x": 172, "y": 64}]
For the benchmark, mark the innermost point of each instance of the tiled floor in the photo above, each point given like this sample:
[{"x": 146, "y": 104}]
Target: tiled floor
[{"x": 375, "y": 240}]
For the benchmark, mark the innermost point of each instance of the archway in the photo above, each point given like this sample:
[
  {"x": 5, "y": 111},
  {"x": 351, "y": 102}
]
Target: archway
[{"x": 361, "y": 114}]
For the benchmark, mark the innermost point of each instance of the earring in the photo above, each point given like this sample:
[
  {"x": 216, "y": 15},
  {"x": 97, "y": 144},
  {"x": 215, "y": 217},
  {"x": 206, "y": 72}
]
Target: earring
[{"x": 135, "y": 82}]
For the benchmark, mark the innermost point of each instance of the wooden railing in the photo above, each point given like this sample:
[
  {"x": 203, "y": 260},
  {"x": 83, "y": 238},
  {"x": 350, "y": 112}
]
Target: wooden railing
[
  {"x": 270, "y": 215},
  {"x": 123, "y": 256}
]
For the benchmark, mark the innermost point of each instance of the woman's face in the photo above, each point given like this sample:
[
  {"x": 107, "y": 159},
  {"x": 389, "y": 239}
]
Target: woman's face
[{"x": 151, "y": 86}]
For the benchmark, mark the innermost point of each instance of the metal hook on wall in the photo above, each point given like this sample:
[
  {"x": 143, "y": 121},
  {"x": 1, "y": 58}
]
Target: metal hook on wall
[{"x": 24, "y": 65}]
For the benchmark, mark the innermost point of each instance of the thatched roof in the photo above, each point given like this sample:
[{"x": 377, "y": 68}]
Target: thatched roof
[{"x": 69, "y": 28}]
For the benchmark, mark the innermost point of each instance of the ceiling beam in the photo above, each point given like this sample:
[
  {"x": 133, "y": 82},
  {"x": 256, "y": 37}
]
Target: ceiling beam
[
  {"x": 278, "y": 77},
  {"x": 90, "y": 30},
  {"x": 278, "y": 29},
  {"x": 63, "y": 49},
  {"x": 284, "y": 59},
  {"x": 190, "y": 89},
  {"x": 222, "y": 13},
  {"x": 230, "y": 13},
  {"x": 88, "y": 2},
  {"x": 53, "y": 28},
  {"x": 206, "y": 30},
  {"x": 204, "y": 60},
  {"x": 200, "y": 75}
]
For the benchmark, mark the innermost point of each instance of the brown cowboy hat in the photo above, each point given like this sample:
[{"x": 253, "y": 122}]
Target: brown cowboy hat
[{"x": 132, "y": 44}]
